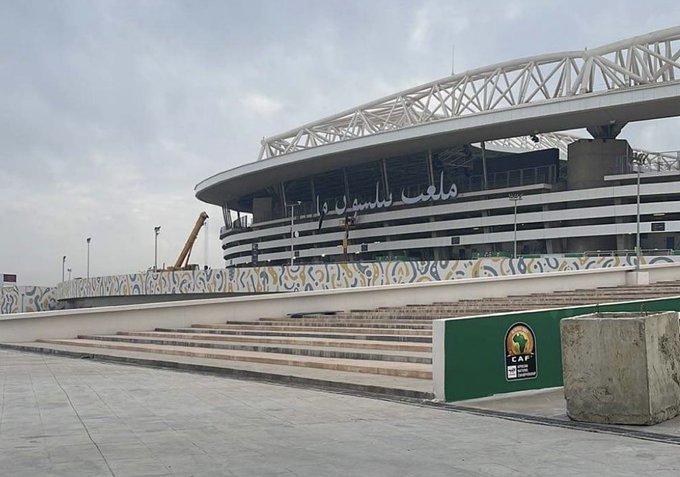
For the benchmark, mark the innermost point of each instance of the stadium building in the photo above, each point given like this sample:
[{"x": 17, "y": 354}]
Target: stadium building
[{"x": 470, "y": 165}]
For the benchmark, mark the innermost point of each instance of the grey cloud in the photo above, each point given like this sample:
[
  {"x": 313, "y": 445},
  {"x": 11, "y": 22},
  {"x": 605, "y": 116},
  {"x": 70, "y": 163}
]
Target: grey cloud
[{"x": 113, "y": 110}]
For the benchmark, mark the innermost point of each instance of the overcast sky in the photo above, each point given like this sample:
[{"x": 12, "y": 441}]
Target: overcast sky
[{"x": 112, "y": 111}]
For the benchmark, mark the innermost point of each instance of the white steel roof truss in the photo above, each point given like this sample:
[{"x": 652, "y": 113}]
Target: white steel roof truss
[{"x": 654, "y": 57}]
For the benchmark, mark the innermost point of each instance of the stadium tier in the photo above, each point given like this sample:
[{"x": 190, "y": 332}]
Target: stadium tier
[{"x": 470, "y": 166}]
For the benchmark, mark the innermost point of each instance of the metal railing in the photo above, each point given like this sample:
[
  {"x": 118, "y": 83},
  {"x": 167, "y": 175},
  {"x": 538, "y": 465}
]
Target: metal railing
[
  {"x": 629, "y": 253},
  {"x": 667, "y": 161}
]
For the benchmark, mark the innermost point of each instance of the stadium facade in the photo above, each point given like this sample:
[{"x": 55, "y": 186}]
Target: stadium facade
[{"x": 470, "y": 165}]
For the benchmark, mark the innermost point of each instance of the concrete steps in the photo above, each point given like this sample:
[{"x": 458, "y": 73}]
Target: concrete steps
[
  {"x": 328, "y": 343},
  {"x": 324, "y": 351},
  {"x": 397, "y": 355},
  {"x": 303, "y": 334},
  {"x": 389, "y": 368},
  {"x": 346, "y": 323},
  {"x": 382, "y": 350},
  {"x": 263, "y": 327},
  {"x": 292, "y": 375}
]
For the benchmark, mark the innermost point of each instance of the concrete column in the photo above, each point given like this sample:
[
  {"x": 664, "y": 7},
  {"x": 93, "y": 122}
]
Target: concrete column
[
  {"x": 589, "y": 160},
  {"x": 430, "y": 167},
  {"x": 386, "y": 184},
  {"x": 485, "y": 179},
  {"x": 344, "y": 177},
  {"x": 551, "y": 245}
]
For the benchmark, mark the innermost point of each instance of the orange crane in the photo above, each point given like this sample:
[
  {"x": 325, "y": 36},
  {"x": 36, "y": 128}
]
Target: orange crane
[{"x": 182, "y": 262}]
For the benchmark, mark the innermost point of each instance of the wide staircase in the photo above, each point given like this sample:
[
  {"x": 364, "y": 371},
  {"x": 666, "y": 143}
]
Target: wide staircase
[{"x": 384, "y": 350}]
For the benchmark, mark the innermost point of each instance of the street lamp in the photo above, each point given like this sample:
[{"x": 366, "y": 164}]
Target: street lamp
[
  {"x": 63, "y": 264},
  {"x": 89, "y": 239},
  {"x": 639, "y": 161},
  {"x": 292, "y": 233},
  {"x": 69, "y": 274},
  {"x": 515, "y": 198},
  {"x": 155, "y": 248}
]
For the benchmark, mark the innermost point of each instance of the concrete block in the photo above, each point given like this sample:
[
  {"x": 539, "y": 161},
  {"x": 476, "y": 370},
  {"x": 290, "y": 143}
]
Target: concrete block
[{"x": 621, "y": 368}]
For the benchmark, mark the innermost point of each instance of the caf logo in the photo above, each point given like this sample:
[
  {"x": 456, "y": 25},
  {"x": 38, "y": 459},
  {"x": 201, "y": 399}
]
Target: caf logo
[
  {"x": 519, "y": 340},
  {"x": 520, "y": 352}
]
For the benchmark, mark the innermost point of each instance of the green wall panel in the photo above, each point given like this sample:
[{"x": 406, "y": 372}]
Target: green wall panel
[{"x": 474, "y": 363}]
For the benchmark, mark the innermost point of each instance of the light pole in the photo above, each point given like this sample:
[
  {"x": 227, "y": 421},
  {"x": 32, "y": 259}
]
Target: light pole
[
  {"x": 292, "y": 236},
  {"x": 69, "y": 274},
  {"x": 515, "y": 198},
  {"x": 63, "y": 264},
  {"x": 638, "y": 161},
  {"x": 89, "y": 239},
  {"x": 155, "y": 248}
]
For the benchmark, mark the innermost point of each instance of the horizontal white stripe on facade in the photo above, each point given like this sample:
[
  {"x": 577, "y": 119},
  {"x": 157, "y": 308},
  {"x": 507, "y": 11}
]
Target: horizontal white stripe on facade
[
  {"x": 573, "y": 196},
  {"x": 614, "y": 211},
  {"x": 472, "y": 239},
  {"x": 375, "y": 237},
  {"x": 285, "y": 222}
]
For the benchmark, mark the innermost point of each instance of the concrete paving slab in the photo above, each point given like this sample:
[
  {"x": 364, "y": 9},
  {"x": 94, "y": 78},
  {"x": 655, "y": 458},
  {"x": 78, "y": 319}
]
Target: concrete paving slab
[
  {"x": 205, "y": 425},
  {"x": 550, "y": 404}
]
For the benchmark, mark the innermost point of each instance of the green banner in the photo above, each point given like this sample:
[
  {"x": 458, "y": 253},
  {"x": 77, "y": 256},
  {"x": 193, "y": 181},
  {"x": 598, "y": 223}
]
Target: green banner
[{"x": 476, "y": 360}]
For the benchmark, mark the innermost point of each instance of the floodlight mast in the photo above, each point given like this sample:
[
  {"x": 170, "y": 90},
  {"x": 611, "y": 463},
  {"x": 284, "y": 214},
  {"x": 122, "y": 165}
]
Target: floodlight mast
[
  {"x": 515, "y": 198},
  {"x": 639, "y": 161},
  {"x": 156, "y": 230},
  {"x": 292, "y": 231}
]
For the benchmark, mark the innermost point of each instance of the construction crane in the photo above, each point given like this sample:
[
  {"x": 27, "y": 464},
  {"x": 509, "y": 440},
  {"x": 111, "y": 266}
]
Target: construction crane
[{"x": 182, "y": 262}]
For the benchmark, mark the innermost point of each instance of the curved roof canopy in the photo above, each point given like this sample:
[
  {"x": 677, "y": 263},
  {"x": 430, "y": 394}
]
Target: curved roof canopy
[{"x": 630, "y": 80}]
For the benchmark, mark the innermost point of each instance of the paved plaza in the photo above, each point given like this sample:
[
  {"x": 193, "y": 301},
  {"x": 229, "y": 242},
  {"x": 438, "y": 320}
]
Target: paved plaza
[{"x": 69, "y": 417}]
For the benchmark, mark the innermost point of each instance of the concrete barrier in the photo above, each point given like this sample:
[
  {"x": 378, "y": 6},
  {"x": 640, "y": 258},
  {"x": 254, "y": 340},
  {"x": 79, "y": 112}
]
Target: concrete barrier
[
  {"x": 621, "y": 368},
  {"x": 69, "y": 323}
]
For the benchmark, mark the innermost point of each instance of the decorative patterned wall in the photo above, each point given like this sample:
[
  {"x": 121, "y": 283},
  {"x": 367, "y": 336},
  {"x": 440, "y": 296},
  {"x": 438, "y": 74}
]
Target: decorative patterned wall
[
  {"x": 298, "y": 278},
  {"x": 27, "y": 299},
  {"x": 329, "y": 276}
]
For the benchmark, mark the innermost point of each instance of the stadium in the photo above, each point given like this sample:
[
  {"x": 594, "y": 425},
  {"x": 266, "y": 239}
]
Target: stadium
[{"x": 471, "y": 165}]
